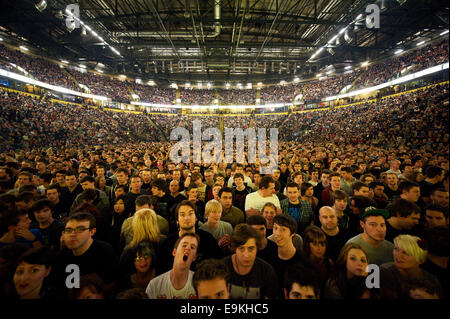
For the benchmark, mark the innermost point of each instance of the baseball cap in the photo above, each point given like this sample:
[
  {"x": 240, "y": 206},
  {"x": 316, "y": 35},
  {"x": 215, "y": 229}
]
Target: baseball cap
[{"x": 373, "y": 211}]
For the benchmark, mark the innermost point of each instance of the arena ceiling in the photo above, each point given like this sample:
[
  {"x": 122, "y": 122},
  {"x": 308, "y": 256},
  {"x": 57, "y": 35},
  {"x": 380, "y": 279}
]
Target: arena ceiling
[{"x": 221, "y": 40}]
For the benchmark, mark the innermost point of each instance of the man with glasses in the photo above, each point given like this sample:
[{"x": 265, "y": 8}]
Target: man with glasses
[{"x": 80, "y": 249}]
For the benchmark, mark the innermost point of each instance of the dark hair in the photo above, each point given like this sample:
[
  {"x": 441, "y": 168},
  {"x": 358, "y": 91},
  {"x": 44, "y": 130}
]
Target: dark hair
[
  {"x": 41, "y": 204},
  {"x": 402, "y": 208},
  {"x": 437, "y": 240},
  {"x": 185, "y": 203},
  {"x": 355, "y": 288},
  {"x": 433, "y": 171},
  {"x": 334, "y": 174},
  {"x": 88, "y": 194},
  {"x": 241, "y": 234},
  {"x": 133, "y": 293},
  {"x": 10, "y": 218},
  {"x": 421, "y": 283},
  {"x": 338, "y": 194},
  {"x": 25, "y": 197},
  {"x": 313, "y": 234},
  {"x": 347, "y": 169},
  {"x": 292, "y": 184},
  {"x": 37, "y": 256},
  {"x": 27, "y": 188},
  {"x": 82, "y": 216},
  {"x": 256, "y": 220},
  {"x": 376, "y": 183},
  {"x": 88, "y": 178},
  {"x": 92, "y": 281},
  {"x": 121, "y": 186},
  {"x": 238, "y": 175},
  {"x": 187, "y": 235},
  {"x": 53, "y": 186},
  {"x": 301, "y": 275},
  {"x": 304, "y": 187},
  {"x": 286, "y": 221},
  {"x": 210, "y": 269},
  {"x": 362, "y": 202},
  {"x": 358, "y": 185},
  {"x": 160, "y": 184},
  {"x": 406, "y": 186},
  {"x": 122, "y": 170},
  {"x": 225, "y": 190},
  {"x": 265, "y": 182},
  {"x": 47, "y": 177},
  {"x": 438, "y": 208}
]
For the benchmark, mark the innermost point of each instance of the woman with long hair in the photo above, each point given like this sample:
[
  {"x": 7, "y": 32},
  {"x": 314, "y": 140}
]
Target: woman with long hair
[
  {"x": 352, "y": 261},
  {"x": 314, "y": 247}
]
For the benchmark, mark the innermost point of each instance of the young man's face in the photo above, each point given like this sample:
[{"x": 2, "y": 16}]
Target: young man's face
[
  {"x": 282, "y": 235},
  {"x": 186, "y": 218},
  {"x": 374, "y": 227},
  {"x": 44, "y": 215},
  {"x": 213, "y": 289},
  {"x": 276, "y": 174},
  {"x": 71, "y": 180},
  {"x": 87, "y": 185},
  {"x": 119, "y": 191},
  {"x": 293, "y": 193},
  {"x": 136, "y": 184},
  {"x": 256, "y": 178},
  {"x": 440, "y": 198},
  {"x": 413, "y": 194},
  {"x": 146, "y": 176},
  {"x": 186, "y": 252},
  {"x": 174, "y": 186},
  {"x": 60, "y": 178},
  {"x": 300, "y": 292},
  {"x": 392, "y": 179},
  {"x": 336, "y": 182},
  {"x": 435, "y": 218},
  {"x": 363, "y": 191},
  {"x": 23, "y": 180},
  {"x": 410, "y": 221},
  {"x": 24, "y": 222},
  {"x": 52, "y": 195},
  {"x": 298, "y": 179},
  {"x": 80, "y": 238},
  {"x": 260, "y": 229},
  {"x": 193, "y": 194},
  {"x": 315, "y": 176},
  {"x": 325, "y": 179},
  {"x": 226, "y": 200},
  {"x": 239, "y": 182},
  {"x": 246, "y": 254},
  {"x": 379, "y": 191},
  {"x": 340, "y": 204},
  {"x": 269, "y": 191},
  {"x": 209, "y": 178},
  {"x": 122, "y": 178}
]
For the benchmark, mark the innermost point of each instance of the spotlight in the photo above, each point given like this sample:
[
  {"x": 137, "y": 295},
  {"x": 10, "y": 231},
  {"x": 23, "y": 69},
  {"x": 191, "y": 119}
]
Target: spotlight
[
  {"x": 331, "y": 51},
  {"x": 41, "y": 5},
  {"x": 348, "y": 38}
]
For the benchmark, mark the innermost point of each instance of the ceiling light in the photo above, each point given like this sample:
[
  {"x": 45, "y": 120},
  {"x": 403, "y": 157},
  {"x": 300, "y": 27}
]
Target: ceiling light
[
  {"x": 398, "y": 51},
  {"x": 420, "y": 43},
  {"x": 348, "y": 67},
  {"x": 41, "y": 5},
  {"x": 64, "y": 61},
  {"x": 24, "y": 48},
  {"x": 445, "y": 32},
  {"x": 366, "y": 63},
  {"x": 296, "y": 79}
]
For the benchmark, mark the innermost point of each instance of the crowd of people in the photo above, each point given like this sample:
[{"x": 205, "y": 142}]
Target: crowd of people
[
  {"x": 312, "y": 91},
  {"x": 354, "y": 186}
]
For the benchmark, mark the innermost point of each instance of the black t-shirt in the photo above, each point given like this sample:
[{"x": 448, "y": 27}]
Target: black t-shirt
[
  {"x": 100, "y": 258},
  {"x": 52, "y": 234},
  {"x": 390, "y": 193},
  {"x": 259, "y": 283},
  {"x": 268, "y": 253},
  {"x": 391, "y": 232},
  {"x": 68, "y": 197},
  {"x": 442, "y": 275},
  {"x": 281, "y": 265},
  {"x": 239, "y": 197},
  {"x": 426, "y": 188},
  {"x": 335, "y": 244}
]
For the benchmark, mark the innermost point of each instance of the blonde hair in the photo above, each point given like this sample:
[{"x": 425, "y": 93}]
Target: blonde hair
[
  {"x": 409, "y": 245},
  {"x": 145, "y": 227},
  {"x": 212, "y": 206}
]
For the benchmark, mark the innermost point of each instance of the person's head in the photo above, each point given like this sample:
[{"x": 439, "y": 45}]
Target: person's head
[
  {"x": 407, "y": 252},
  {"x": 79, "y": 229},
  {"x": 145, "y": 227},
  {"x": 440, "y": 197},
  {"x": 346, "y": 172},
  {"x": 209, "y": 177},
  {"x": 239, "y": 168},
  {"x": 32, "y": 268},
  {"x": 435, "y": 173},
  {"x": 307, "y": 189},
  {"x": 284, "y": 229},
  {"x": 339, "y": 200},
  {"x": 145, "y": 257},
  {"x": 325, "y": 177},
  {"x": 52, "y": 193},
  {"x": 377, "y": 188},
  {"x": 245, "y": 242},
  {"x": 10, "y": 221},
  {"x": 133, "y": 293},
  {"x": 409, "y": 191},
  {"x": 297, "y": 177},
  {"x": 186, "y": 215},
  {"x": 314, "y": 243},
  {"x": 258, "y": 223},
  {"x": 24, "y": 200},
  {"x": 122, "y": 175},
  {"x": 211, "y": 279},
  {"x": 87, "y": 182},
  {"x": 367, "y": 178},
  {"x": 359, "y": 203},
  {"x": 437, "y": 241},
  {"x": 328, "y": 218},
  {"x": 238, "y": 179},
  {"x": 267, "y": 186},
  {"x": 71, "y": 179},
  {"x": 192, "y": 192},
  {"x": 136, "y": 183},
  {"x": 185, "y": 251},
  {"x": 392, "y": 179},
  {"x": 213, "y": 211},
  {"x": 174, "y": 186},
  {"x": 352, "y": 260},
  {"x": 315, "y": 175},
  {"x": 300, "y": 283},
  {"x": 159, "y": 187},
  {"x": 42, "y": 210},
  {"x": 218, "y": 178},
  {"x": 360, "y": 189},
  {"x": 293, "y": 192},
  {"x": 269, "y": 211},
  {"x": 406, "y": 213},
  {"x": 147, "y": 175},
  {"x": 335, "y": 180},
  {"x": 226, "y": 197},
  {"x": 421, "y": 288},
  {"x": 373, "y": 223},
  {"x": 92, "y": 286},
  {"x": 436, "y": 215},
  {"x": 24, "y": 178}
]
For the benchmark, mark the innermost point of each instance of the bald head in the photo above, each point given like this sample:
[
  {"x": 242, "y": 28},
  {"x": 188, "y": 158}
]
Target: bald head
[{"x": 328, "y": 218}]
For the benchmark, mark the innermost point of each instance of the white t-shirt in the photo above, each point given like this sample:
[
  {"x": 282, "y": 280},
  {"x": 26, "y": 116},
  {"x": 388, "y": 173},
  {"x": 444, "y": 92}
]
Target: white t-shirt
[
  {"x": 161, "y": 288},
  {"x": 221, "y": 230},
  {"x": 256, "y": 201}
]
